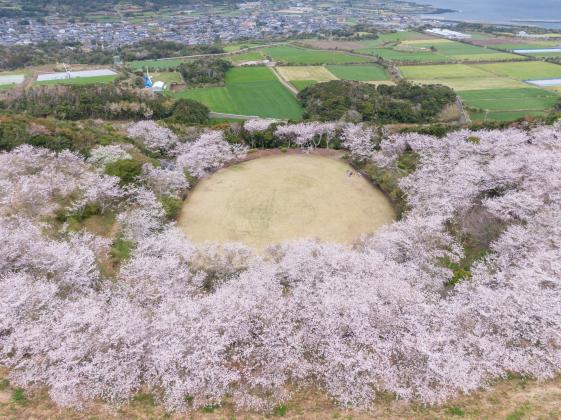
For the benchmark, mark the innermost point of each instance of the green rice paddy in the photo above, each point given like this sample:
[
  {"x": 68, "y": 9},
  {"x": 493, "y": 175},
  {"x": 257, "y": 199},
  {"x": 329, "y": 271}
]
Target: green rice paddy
[
  {"x": 294, "y": 55},
  {"x": 253, "y": 91},
  {"x": 524, "y": 99},
  {"x": 529, "y": 70}
]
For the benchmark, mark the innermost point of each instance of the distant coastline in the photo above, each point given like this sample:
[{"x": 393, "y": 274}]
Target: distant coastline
[{"x": 544, "y": 13}]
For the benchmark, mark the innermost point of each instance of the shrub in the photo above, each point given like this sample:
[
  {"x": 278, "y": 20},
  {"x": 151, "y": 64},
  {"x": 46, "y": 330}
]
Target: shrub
[
  {"x": 280, "y": 410},
  {"x": 18, "y": 397},
  {"x": 126, "y": 169},
  {"x": 56, "y": 143},
  {"x": 172, "y": 206},
  {"x": 121, "y": 249},
  {"x": 187, "y": 111},
  {"x": 456, "y": 411}
]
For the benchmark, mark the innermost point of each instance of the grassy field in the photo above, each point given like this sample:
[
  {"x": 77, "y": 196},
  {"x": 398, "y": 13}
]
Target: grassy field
[
  {"x": 273, "y": 199},
  {"x": 443, "y": 71},
  {"x": 316, "y": 73},
  {"x": 360, "y": 73},
  {"x": 167, "y": 77},
  {"x": 460, "y": 84},
  {"x": 239, "y": 46},
  {"x": 524, "y": 99},
  {"x": 302, "y": 84},
  {"x": 504, "y": 115},
  {"x": 79, "y": 81},
  {"x": 419, "y": 48},
  {"x": 459, "y": 77},
  {"x": 295, "y": 55},
  {"x": 406, "y": 56},
  {"x": 523, "y": 71},
  {"x": 155, "y": 64},
  {"x": 246, "y": 56},
  {"x": 248, "y": 91}
]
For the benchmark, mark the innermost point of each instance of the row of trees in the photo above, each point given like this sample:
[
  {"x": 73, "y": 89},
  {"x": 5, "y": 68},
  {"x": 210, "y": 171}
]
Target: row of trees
[
  {"x": 18, "y": 56},
  {"x": 196, "y": 324},
  {"x": 103, "y": 101}
]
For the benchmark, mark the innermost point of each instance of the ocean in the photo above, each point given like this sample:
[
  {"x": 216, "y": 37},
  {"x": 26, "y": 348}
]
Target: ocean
[{"x": 502, "y": 11}]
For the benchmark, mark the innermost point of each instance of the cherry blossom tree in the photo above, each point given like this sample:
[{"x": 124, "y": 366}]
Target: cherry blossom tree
[
  {"x": 195, "y": 324},
  {"x": 153, "y": 136},
  {"x": 102, "y": 155},
  {"x": 170, "y": 182},
  {"x": 208, "y": 153},
  {"x": 257, "y": 125},
  {"x": 358, "y": 139}
]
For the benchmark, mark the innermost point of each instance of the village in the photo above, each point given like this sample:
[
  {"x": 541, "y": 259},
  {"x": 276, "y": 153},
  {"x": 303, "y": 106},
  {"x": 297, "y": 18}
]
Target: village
[{"x": 204, "y": 24}]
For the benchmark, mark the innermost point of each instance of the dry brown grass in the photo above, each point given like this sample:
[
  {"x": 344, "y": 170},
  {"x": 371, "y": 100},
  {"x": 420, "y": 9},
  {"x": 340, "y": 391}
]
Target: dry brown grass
[
  {"x": 511, "y": 399},
  {"x": 273, "y": 199}
]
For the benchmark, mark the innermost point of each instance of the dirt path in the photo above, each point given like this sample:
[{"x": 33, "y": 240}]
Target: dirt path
[{"x": 284, "y": 82}]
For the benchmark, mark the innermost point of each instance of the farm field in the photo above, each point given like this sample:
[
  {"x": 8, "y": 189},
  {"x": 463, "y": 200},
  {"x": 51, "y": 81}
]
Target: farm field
[
  {"x": 421, "y": 48},
  {"x": 491, "y": 91},
  {"x": 269, "y": 200},
  {"x": 405, "y": 56},
  {"x": 459, "y": 77},
  {"x": 253, "y": 91},
  {"x": 294, "y": 55},
  {"x": 443, "y": 71},
  {"x": 11, "y": 79},
  {"x": 528, "y": 70},
  {"x": 504, "y": 116},
  {"x": 245, "y": 56},
  {"x": 302, "y": 84},
  {"x": 167, "y": 77},
  {"x": 360, "y": 73},
  {"x": 155, "y": 64},
  {"x": 78, "y": 81},
  {"x": 239, "y": 46},
  {"x": 315, "y": 73},
  {"x": 524, "y": 99}
]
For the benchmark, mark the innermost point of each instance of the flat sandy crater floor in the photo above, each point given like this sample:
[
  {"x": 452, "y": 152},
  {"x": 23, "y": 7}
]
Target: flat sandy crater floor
[{"x": 272, "y": 199}]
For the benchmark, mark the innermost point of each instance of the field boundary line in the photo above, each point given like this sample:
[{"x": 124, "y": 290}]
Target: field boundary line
[{"x": 284, "y": 82}]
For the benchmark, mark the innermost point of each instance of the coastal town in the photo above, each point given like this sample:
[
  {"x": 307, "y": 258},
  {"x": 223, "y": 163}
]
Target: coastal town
[{"x": 201, "y": 23}]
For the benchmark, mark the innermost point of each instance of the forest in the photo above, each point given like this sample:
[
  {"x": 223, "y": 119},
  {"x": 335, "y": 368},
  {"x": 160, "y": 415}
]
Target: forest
[{"x": 353, "y": 101}]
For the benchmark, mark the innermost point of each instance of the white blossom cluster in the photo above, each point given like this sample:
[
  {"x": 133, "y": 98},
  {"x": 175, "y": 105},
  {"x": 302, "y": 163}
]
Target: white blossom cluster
[
  {"x": 153, "y": 136},
  {"x": 103, "y": 155},
  {"x": 35, "y": 181},
  {"x": 194, "y": 325},
  {"x": 257, "y": 125},
  {"x": 207, "y": 154},
  {"x": 308, "y": 134}
]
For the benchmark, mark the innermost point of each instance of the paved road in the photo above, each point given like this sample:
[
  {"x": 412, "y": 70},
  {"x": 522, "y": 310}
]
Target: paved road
[
  {"x": 221, "y": 54},
  {"x": 232, "y": 116}
]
